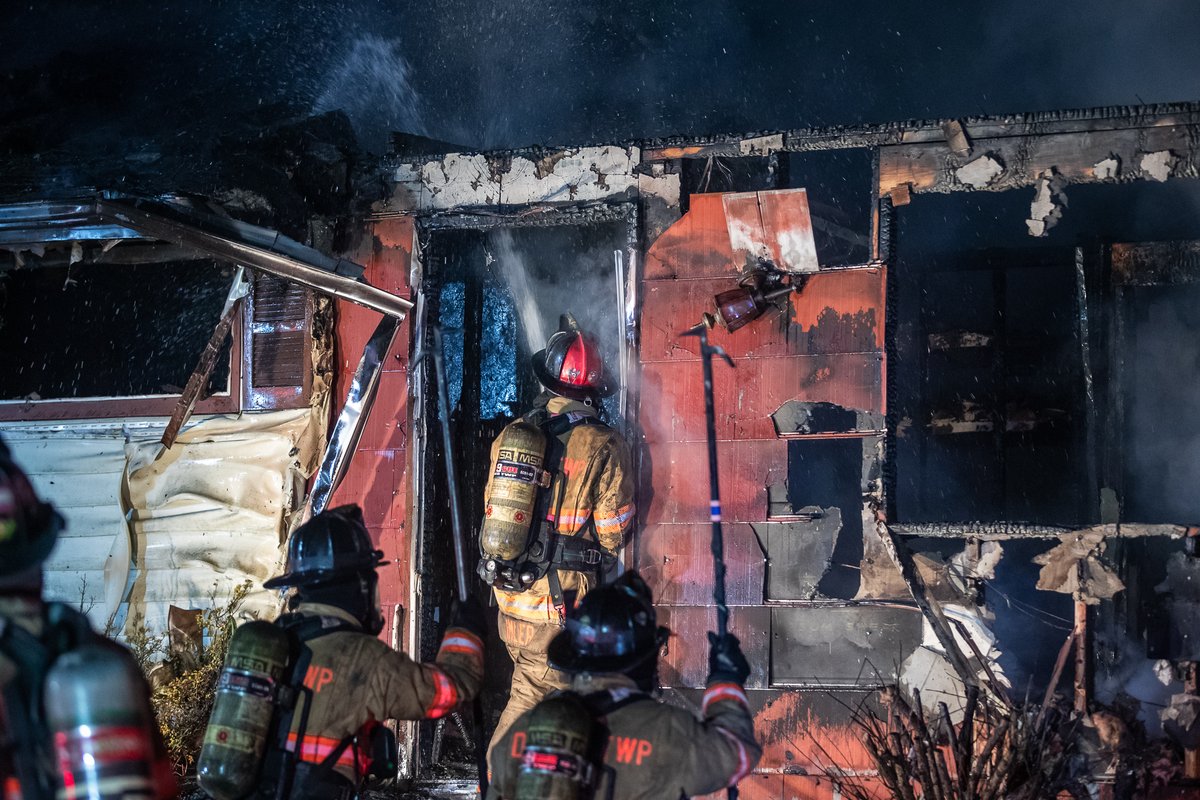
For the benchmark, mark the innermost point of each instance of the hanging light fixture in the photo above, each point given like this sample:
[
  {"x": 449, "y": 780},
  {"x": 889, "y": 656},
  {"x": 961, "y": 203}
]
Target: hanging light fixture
[{"x": 755, "y": 294}]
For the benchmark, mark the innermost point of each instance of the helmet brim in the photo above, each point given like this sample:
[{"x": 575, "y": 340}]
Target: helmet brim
[
  {"x": 563, "y": 657},
  {"x": 551, "y": 382},
  {"x": 314, "y": 577}
]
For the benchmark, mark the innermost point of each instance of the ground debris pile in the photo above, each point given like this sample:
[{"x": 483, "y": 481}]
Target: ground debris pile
[
  {"x": 182, "y": 666},
  {"x": 998, "y": 751}
]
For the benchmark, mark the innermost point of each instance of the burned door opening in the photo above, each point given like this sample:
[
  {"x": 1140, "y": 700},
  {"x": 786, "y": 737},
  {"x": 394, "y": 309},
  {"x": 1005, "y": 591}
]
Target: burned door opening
[{"x": 497, "y": 288}]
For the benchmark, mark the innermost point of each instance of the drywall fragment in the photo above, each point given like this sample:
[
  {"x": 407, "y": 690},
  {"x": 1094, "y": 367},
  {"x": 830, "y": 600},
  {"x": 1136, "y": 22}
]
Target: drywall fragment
[
  {"x": 979, "y": 173},
  {"x": 1159, "y": 165},
  {"x": 1164, "y": 672},
  {"x": 1074, "y": 567},
  {"x": 964, "y": 566},
  {"x": 956, "y": 137},
  {"x": 761, "y": 145},
  {"x": 1108, "y": 168},
  {"x": 1181, "y": 719},
  {"x": 1048, "y": 203}
]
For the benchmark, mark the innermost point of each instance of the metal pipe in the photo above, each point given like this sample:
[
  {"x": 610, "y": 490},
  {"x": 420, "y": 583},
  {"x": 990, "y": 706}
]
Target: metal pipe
[{"x": 168, "y": 230}]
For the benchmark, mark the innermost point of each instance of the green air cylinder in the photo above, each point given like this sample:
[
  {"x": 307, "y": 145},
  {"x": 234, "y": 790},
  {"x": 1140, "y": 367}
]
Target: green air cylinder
[
  {"x": 509, "y": 506},
  {"x": 100, "y": 719},
  {"x": 236, "y": 737},
  {"x": 558, "y": 740}
]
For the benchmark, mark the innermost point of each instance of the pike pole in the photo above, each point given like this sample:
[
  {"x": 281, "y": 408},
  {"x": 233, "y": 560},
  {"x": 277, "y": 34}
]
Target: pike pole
[
  {"x": 456, "y": 528},
  {"x": 707, "y": 351},
  {"x": 456, "y": 524}
]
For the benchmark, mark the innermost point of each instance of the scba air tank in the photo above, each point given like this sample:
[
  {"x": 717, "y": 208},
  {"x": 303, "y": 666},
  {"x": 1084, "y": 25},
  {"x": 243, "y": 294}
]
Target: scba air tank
[
  {"x": 240, "y": 723},
  {"x": 101, "y": 724},
  {"x": 556, "y": 762},
  {"x": 509, "y": 507}
]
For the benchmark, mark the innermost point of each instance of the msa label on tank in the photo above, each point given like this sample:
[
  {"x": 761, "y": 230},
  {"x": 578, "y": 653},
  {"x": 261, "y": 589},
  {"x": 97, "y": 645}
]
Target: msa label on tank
[
  {"x": 526, "y": 470},
  {"x": 241, "y": 682}
]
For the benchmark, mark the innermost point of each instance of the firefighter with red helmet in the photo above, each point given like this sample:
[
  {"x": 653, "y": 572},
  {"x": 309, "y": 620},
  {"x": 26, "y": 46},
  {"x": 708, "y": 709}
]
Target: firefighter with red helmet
[
  {"x": 607, "y": 736},
  {"x": 75, "y": 714},
  {"x": 557, "y": 507},
  {"x": 301, "y": 703}
]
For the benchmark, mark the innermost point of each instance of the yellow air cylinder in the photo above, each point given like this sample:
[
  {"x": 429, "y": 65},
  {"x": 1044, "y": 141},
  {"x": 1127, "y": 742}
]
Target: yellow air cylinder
[{"x": 509, "y": 507}]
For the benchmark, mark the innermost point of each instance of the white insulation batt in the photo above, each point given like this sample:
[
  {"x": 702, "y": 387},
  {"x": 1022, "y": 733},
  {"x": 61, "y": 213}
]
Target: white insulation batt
[{"x": 185, "y": 529}]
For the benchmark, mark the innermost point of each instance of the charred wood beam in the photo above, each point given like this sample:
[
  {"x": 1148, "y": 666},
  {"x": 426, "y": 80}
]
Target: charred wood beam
[
  {"x": 208, "y": 359},
  {"x": 997, "y": 531},
  {"x": 925, "y": 600}
]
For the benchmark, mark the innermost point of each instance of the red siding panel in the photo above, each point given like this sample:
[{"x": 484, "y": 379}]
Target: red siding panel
[
  {"x": 377, "y": 477},
  {"x": 677, "y": 559}
]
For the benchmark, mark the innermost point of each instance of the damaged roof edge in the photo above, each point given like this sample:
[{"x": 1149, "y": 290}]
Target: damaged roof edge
[
  {"x": 122, "y": 217},
  {"x": 864, "y": 134}
]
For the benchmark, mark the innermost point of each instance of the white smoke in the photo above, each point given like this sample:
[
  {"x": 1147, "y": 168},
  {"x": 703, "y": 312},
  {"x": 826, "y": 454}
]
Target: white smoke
[{"x": 372, "y": 85}]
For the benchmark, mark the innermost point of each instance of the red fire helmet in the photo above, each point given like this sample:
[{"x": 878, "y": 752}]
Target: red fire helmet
[{"x": 570, "y": 365}]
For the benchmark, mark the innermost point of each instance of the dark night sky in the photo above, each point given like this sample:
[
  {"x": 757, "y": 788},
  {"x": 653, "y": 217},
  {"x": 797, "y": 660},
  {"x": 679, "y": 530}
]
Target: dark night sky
[{"x": 501, "y": 74}]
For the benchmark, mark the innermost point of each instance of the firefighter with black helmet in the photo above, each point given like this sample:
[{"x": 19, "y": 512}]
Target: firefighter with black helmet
[
  {"x": 301, "y": 703},
  {"x": 75, "y": 714},
  {"x": 607, "y": 736},
  {"x": 557, "y": 506}
]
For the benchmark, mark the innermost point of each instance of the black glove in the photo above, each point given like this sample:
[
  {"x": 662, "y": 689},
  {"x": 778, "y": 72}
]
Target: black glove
[
  {"x": 726, "y": 661},
  {"x": 469, "y": 617}
]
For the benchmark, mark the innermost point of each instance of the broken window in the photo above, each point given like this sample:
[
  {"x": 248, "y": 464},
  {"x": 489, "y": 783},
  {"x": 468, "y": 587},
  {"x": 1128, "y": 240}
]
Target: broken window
[
  {"x": 838, "y": 183},
  {"x": 72, "y": 332}
]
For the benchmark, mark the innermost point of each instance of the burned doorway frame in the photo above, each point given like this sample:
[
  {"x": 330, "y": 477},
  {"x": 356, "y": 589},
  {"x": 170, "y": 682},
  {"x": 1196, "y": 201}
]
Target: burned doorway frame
[{"x": 422, "y": 468}]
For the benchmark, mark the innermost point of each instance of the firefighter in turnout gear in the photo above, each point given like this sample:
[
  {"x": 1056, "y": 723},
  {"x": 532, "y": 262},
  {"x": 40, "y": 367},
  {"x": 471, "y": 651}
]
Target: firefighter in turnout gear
[
  {"x": 557, "y": 506},
  {"x": 75, "y": 714},
  {"x": 341, "y": 683},
  {"x": 607, "y": 736}
]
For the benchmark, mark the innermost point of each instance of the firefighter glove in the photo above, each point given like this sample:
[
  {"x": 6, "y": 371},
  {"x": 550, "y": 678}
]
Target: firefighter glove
[
  {"x": 726, "y": 662},
  {"x": 469, "y": 616}
]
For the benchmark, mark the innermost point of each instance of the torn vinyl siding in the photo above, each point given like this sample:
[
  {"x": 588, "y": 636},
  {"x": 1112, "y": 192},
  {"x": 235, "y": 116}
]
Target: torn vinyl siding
[
  {"x": 211, "y": 512},
  {"x": 185, "y": 530}
]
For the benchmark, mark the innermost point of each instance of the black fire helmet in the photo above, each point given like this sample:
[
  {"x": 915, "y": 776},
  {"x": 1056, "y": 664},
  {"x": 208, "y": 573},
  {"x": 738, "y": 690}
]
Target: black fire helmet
[
  {"x": 332, "y": 545},
  {"x": 611, "y": 630}
]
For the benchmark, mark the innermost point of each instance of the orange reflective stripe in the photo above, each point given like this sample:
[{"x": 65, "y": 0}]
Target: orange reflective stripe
[
  {"x": 317, "y": 748},
  {"x": 458, "y": 640},
  {"x": 536, "y": 604},
  {"x": 445, "y": 696},
  {"x": 621, "y": 516},
  {"x": 724, "y": 691}
]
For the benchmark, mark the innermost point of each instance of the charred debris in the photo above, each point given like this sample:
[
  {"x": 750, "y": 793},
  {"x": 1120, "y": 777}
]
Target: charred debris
[{"x": 959, "y": 451}]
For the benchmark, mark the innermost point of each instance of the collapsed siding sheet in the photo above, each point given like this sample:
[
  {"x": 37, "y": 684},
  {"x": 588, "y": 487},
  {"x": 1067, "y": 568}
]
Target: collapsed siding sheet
[{"x": 210, "y": 514}]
